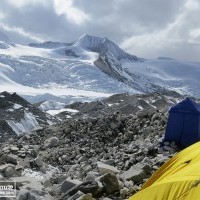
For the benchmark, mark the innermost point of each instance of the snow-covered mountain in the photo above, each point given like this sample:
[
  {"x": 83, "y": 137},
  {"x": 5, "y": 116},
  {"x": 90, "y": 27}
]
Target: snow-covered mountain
[{"x": 89, "y": 68}]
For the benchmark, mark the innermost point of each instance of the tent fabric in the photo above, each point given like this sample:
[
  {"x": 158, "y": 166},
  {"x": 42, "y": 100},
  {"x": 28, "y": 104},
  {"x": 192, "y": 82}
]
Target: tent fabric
[
  {"x": 177, "y": 179},
  {"x": 183, "y": 124}
]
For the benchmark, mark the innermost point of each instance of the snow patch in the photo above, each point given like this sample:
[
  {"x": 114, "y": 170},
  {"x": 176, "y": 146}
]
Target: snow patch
[
  {"x": 17, "y": 106},
  {"x": 55, "y": 112},
  {"x": 140, "y": 107},
  {"x": 51, "y": 105},
  {"x": 38, "y": 175}
]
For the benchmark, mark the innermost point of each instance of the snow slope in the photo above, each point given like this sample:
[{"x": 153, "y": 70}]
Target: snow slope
[{"x": 87, "y": 69}]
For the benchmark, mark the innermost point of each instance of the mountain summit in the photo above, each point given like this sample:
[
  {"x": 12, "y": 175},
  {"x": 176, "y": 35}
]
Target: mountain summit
[{"x": 102, "y": 46}]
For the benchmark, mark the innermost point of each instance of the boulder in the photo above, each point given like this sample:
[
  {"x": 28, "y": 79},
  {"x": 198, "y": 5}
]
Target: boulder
[
  {"x": 38, "y": 161},
  {"x": 3, "y": 167},
  {"x": 9, "y": 171},
  {"x": 67, "y": 185},
  {"x": 135, "y": 174},
  {"x": 89, "y": 187},
  {"x": 11, "y": 158},
  {"x": 51, "y": 142},
  {"x": 110, "y": 183}
]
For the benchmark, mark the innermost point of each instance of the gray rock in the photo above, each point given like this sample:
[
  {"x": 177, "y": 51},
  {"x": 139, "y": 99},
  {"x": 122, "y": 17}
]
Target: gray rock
[
  {"x": 135, "y": 174},
  {"x": 9, "y": 172},
  {"x": 38, "y": 161},
  {"x": 82, "y": 159},
  {"x": 89, "y": 187},
  {"x": 18, "y": 170},
  {"x": 47, "y": 183},
  {"x": 3, "y": 167},
  {"x": 103, "y": 168},
  {"x": 38, "y": 195},
  {"x": 87, "y": 169},
  {"x": 14, "y": 148},
  {"x": 11, "y": 158},
  {"x": 124, "y": 192},
  {"x": 110, "y": 183},
  {"x": 74, "y": 197},
  {"x": 67, "y": 185},
  {"x": 85, "y": 197},
  {"x": 109, "y": 162},
  {"x": 51, "y": 142},
  {"x": 22, "y": 195}
]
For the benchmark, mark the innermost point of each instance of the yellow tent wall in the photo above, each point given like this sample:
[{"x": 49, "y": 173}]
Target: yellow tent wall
[{"x": 178, "y": 178}]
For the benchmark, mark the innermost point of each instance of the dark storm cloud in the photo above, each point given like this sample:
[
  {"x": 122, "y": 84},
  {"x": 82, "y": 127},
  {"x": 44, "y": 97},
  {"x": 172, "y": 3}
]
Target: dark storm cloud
[{"x": 145, "y": 28}]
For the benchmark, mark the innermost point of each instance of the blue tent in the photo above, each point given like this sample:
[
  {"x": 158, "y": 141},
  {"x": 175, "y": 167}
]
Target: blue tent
[{"x": 183, "y": 124}]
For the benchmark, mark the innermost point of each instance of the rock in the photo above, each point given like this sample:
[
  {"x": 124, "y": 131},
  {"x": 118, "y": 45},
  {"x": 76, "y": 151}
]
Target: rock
[
  {"x": 11, "y": 158},
  {"x": 92, "y": 175},
  {"x": 38, "y": 195},
  {"x": 103, "y": 168},
  {"x": 47, "y": 183},
  {"x": 147, "y": 169},
  {"x": 124, "y": 192},
  {"x": 9, "y": 172},
  {"x": 43, "y": 169},
  {"x": 67, "y": 185},
  {"x": 22, "y": 195},
  {"x": 87, "y": 169},
  {"x": 74, "y": 197},
  {"x": 85, "y": 197},
  {"x": 109, "y": 162},
  {"x": 38, "y": 161},
  {"x": 1, "y": 176},
  {"x": 14, "y": 148},
  {"x": 110, "y": 183},
  {"x": 168, "y": 148},
  {"x": 51, "y": 142},
  {"x": 89, "y": 187},
  {"x": 18, "y": 170},
  {"x": 3, "y": 167},
  {"x": 135, "y": 174},
  {"x": 82, "y": 159}
]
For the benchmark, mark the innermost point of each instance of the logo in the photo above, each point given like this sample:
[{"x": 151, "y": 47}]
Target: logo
[{"x": 7, "y": 189}]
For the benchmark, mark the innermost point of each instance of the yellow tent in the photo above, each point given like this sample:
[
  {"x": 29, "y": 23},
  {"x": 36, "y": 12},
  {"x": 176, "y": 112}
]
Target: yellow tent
[{"x": 177, "y": 179}]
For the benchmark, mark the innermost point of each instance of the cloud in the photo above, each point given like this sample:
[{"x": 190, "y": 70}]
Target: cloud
[
  {"x": 21, "y": 32},
  {"x": 72, "y": 13},
  {"x": 179, "y": 39},
  {"x": 146, "y": 29}
]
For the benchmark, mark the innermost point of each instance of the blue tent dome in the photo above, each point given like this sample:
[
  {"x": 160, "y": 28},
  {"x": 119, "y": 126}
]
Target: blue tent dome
[{"x": 183, "y": 124}]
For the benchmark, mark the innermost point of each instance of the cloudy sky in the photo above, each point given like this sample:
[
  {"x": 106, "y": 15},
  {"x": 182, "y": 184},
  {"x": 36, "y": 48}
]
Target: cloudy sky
[{"x": 145, "y": 28}]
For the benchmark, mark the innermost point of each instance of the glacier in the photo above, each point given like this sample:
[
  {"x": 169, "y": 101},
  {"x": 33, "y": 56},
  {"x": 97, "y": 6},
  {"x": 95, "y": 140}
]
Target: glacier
[{"x": 87, "y": 69}]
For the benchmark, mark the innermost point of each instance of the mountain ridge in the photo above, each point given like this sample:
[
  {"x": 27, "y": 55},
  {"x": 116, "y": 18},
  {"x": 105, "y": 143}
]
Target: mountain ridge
[{"x": 90, "y": 68}]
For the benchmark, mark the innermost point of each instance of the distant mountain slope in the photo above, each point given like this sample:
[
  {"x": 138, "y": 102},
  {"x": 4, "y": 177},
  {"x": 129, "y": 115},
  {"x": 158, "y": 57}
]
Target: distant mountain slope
[
  {"x": 17, "y": 116},
  {"x": 4, "y": 41},
  {"x": 89, "y": 68}
]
